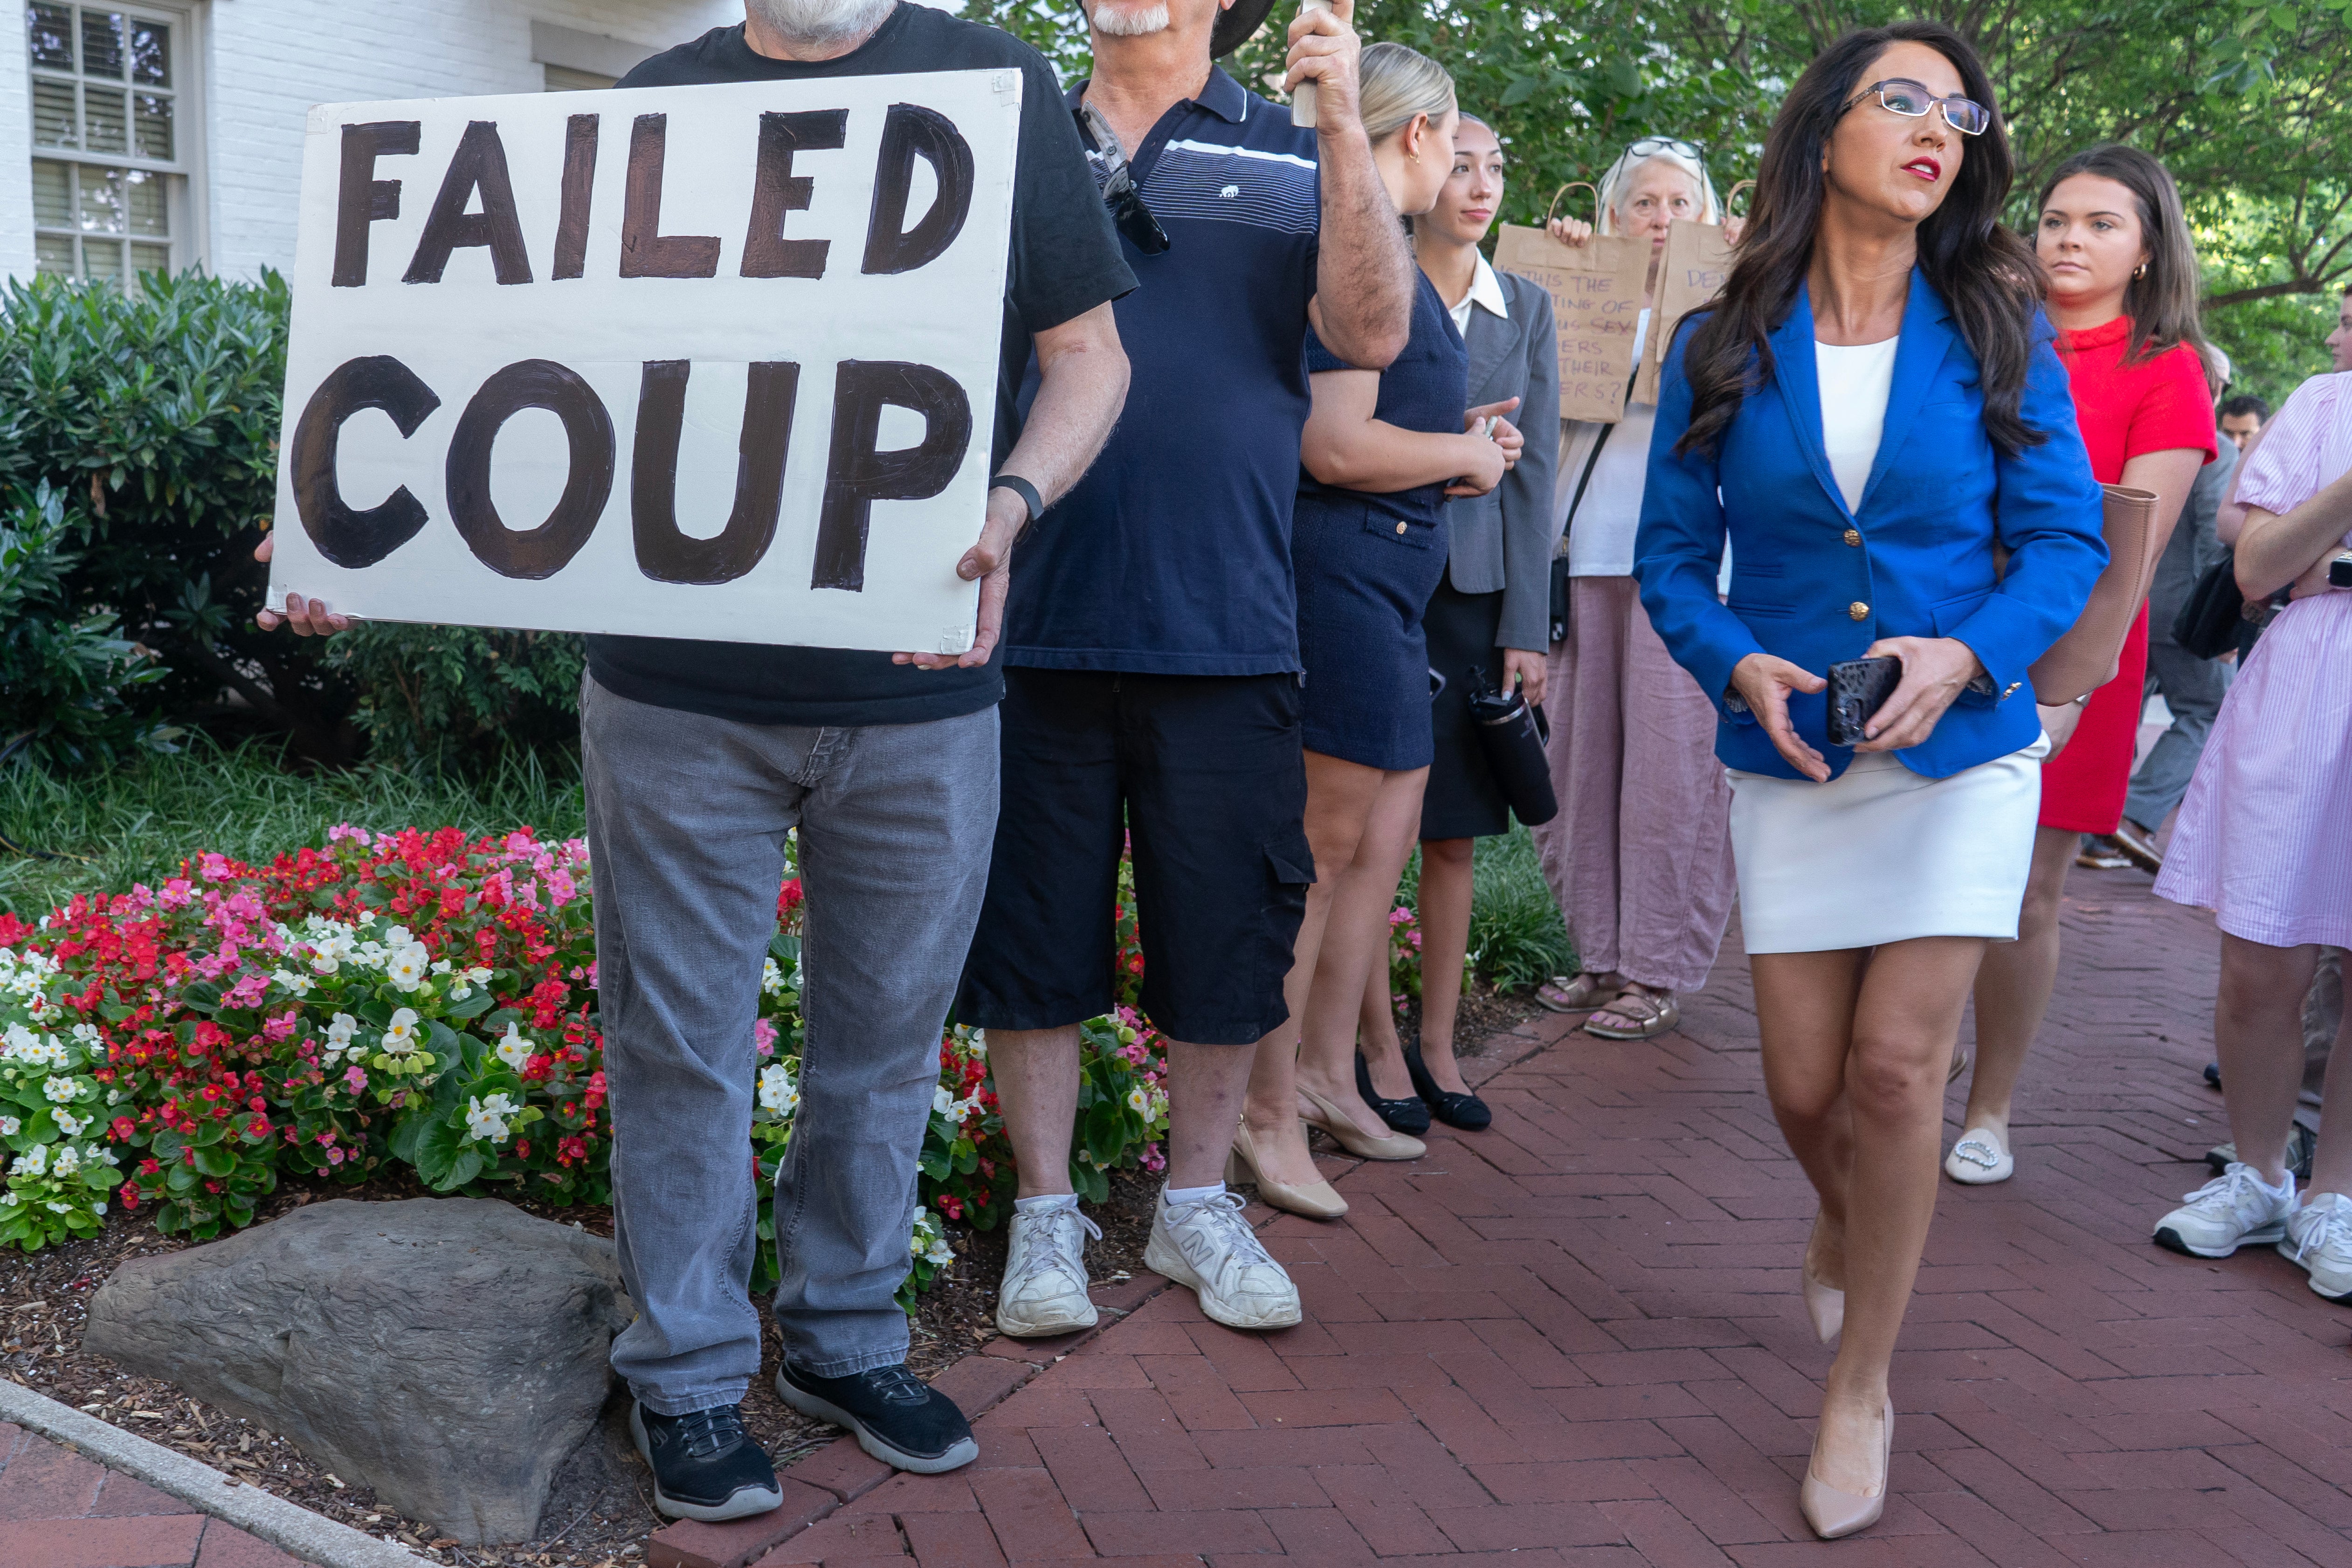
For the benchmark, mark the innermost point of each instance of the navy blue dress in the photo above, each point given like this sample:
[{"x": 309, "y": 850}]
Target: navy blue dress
[{"x": 1365, "y": 565}]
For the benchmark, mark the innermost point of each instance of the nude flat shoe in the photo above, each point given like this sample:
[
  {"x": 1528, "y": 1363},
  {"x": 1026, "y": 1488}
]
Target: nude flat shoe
[
  {"x": 1331, "y": 1120},
  {"x": 1833, "y": 1513},
  {"x": 1316, "y": 1200}
]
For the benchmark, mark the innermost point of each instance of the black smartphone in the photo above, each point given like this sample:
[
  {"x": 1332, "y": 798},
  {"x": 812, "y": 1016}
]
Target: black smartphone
[{"x": 1858, "y": 689}]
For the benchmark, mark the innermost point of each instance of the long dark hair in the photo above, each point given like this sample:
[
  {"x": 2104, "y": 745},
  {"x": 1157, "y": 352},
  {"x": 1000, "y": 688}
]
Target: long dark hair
[
  {"x": 1986, "y": 275},
  {"x": 2162, "y": 300}
]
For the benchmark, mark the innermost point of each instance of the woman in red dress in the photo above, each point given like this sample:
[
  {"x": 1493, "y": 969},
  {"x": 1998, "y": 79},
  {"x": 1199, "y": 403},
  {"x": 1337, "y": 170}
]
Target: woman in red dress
[{"x": 2122, "y": 294}]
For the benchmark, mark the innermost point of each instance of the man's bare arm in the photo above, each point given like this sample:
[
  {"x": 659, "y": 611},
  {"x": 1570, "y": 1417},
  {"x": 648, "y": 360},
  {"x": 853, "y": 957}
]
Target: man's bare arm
[
  {"x": 1082, "y": 385},
  {"x": 1362, "y": 308}
]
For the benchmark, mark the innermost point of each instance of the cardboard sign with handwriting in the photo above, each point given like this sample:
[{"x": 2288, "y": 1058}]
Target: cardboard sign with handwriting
[
  {"x": 1596, "y": 303},
  {"x": 1690, "y": 275}
]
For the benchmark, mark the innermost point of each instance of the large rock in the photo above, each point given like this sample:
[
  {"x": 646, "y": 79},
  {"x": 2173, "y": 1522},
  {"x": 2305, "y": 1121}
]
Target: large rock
[{"x": 448, "y": 1352}]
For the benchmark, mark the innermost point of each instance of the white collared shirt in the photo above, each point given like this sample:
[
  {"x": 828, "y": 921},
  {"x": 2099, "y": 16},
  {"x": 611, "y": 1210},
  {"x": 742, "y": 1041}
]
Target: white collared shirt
[{"x": 1485, "y": 290}]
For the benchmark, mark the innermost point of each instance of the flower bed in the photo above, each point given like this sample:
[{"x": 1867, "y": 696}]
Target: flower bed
[{"x": 420, "y": 998}]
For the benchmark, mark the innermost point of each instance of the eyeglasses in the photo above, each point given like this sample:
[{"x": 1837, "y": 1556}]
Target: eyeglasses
[
  {"x": 1648, "y": 146},
  {"x": 1913, "y": 101},
  {"x": 1128, "y": 212}
]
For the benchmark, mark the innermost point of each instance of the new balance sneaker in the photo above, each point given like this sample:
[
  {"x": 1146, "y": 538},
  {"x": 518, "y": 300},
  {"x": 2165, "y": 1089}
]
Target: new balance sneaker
[
  {"x": 1045, "y": 1286},
  {"x": 2232, "y": 1210},
  {"x": 898, "y": 1419},
  {"x": 2319, "y": 1240},
  {"x": 704, "y": 1465},
  {"x": 1207, "y": 1246}
]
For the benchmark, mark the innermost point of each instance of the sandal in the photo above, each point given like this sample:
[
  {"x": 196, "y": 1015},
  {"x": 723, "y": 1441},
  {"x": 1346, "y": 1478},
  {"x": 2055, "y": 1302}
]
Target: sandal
[
  {"x": 1979, "y": 1158},
  {"x": 1584, "y": 993},
  {"x": 1654, "y": 1014}
]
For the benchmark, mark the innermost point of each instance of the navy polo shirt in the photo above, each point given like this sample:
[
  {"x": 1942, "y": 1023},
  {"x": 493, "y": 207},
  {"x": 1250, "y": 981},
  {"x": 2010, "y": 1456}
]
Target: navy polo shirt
[{"x": 1172, "y": 555}]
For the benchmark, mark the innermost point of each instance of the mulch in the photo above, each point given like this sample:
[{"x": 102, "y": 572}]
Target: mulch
[{"x": 600, "y": 1508}]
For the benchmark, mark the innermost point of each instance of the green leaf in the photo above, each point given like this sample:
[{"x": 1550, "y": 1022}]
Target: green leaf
[
  {"x": 437, "y": 1152},
  {"x": 213, "y": 1159},
  {"x": 473, "y": 1007}
]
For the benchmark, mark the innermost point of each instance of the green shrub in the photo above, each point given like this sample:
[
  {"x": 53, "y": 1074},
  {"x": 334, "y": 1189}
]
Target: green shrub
[
  {"x": 66, "y": 678},
  {"x": 458, "y": 697}
]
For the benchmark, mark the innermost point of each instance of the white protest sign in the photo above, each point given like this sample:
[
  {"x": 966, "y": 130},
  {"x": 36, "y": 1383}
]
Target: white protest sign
[{"x": 704, "y": 362}]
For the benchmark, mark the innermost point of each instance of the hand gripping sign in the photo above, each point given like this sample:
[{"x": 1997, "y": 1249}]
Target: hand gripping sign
[{"x": 703, "y": 361}]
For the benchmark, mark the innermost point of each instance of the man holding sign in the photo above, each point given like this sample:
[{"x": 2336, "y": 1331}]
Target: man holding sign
[
  {"x": 1152, "y": 635},
  {"x": 702, "y": 754}
]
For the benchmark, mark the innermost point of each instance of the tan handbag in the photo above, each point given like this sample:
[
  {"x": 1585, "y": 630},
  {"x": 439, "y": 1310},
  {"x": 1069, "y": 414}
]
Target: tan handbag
[{"x": 2086, "y": 658}]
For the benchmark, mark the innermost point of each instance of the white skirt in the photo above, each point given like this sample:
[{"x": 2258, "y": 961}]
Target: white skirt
[{"x": 1881, "y": 854}]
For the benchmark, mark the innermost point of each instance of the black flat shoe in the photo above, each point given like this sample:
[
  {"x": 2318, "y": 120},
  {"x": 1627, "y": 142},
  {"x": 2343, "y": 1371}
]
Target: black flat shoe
[
  {"x": 1466, "y": 1112},
  {"x": 1407, "y": 1116}
]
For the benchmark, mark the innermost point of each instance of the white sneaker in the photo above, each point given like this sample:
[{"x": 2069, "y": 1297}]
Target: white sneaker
[
  {"x": 2227, "y": 1212},
  {"x": 1209, "y": 1247},
  {"x": 1979, "y": 1158},
  {"x": 1045, "y": 1286},
  {"x": 2319, "y": 1238}
]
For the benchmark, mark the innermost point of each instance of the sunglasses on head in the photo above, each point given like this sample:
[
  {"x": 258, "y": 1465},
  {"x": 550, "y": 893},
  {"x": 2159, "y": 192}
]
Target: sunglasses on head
[
  {"x": 1913, "y": 100},
  {"x": 1128, "y": 212}
]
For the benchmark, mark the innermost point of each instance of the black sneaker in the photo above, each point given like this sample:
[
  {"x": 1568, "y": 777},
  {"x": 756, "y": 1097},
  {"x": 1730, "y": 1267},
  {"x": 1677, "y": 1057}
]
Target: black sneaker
[
  {"x": 898, "y": 1419},
  {"x": 704, "y": 1465}
]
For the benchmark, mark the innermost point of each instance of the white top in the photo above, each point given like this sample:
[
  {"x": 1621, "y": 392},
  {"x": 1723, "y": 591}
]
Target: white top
[
  {"x": 1854, "y": 385},
  {"x": 1485, "y": 290},
  {"x": 1600, "y": 538}
]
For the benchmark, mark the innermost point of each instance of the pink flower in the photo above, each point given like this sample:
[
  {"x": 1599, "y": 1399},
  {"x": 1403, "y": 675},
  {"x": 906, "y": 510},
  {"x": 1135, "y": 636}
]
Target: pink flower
[
  {"x": 177, "y": 893},
  {"x": 282, "y": 1026},
  {"x": 560, "y": 889},
  {"x": 355, "y": 1079},
  {"x": 1154, "y": 1157},
  {"x": 343, "y": 830},
  {"x": 763, "y": 1037},
  {"x": 214, "y": 868}
]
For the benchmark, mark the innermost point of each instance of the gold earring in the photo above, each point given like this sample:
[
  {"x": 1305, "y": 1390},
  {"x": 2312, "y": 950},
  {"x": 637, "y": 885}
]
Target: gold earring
[{"x": 2141, "y": 271}]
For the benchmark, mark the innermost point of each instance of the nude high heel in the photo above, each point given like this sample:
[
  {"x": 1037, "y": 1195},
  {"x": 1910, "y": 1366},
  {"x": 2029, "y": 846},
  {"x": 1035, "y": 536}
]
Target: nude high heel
[
  {"x": 1832, "y": 1512},
  {"x": 1329, "y": 1117},
  {"x": 1824, "y": 1306},
  {"x": 1316, "y": 1200}
]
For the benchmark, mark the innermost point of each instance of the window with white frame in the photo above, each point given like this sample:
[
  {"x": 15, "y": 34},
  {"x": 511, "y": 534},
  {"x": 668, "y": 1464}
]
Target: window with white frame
[{"x": 109, "y": 140}]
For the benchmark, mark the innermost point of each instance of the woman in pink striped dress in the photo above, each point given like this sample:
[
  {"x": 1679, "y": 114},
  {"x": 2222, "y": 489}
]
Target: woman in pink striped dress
[{"x": 2265, "y": 842}]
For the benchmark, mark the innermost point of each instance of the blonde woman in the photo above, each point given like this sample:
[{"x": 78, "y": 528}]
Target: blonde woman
[
  {"x": 1382, "y": 451},
  {"x": 1640, "y": 854}
]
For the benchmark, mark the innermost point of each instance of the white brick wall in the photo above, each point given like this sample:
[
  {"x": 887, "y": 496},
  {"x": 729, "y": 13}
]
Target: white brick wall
[
  {"x": 266, "y": 61},
  {"x": 16, "y": 145}
]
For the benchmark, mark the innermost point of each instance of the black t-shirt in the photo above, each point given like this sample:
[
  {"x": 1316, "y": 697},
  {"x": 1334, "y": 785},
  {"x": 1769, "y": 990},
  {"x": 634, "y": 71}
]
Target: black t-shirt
[{"x": 1064, "y": 261}]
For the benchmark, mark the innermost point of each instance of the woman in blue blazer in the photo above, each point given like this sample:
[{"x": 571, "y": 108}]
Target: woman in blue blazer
[{"x": 1870, "y": 409}]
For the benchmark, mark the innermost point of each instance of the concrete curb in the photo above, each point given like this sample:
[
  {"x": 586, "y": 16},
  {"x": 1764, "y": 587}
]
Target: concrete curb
[{"x": 286, "y": 1526}]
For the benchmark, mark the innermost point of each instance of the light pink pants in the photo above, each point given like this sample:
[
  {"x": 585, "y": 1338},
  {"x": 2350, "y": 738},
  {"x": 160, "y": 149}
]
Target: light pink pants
[{"x": 1640, "y": 854}]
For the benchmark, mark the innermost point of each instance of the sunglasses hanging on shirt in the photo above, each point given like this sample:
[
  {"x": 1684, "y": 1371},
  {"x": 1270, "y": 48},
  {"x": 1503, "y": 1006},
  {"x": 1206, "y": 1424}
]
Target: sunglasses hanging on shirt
[{"x": 1128, "y": 212}]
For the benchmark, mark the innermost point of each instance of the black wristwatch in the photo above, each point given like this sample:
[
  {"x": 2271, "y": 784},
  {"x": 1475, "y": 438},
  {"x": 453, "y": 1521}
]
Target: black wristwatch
[{"x": 1030, "y": 498}]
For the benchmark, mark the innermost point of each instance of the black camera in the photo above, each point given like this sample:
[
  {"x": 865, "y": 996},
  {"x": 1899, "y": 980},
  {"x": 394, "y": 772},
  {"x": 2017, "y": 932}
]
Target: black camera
[{"x": 2339, "y": 570}]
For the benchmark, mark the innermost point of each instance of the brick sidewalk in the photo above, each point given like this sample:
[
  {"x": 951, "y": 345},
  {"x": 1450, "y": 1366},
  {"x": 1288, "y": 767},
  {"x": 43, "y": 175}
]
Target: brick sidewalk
[
  {"x": 1575, "y": 1339},
  {"x": 58, "y": 1510}
]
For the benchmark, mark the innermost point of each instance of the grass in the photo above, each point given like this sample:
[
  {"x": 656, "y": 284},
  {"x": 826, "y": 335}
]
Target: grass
[
  {"x": 1517, "y": 939},
  {"x": 117, "y": 826}
]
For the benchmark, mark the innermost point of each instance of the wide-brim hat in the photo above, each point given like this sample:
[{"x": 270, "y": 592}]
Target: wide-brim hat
[{"x": 1234, "y": 25}]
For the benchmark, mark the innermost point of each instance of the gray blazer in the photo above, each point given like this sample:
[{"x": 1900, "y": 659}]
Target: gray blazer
[
  {"x": 2194, "y": 546},
  {"x": 1504, "y": 539}
]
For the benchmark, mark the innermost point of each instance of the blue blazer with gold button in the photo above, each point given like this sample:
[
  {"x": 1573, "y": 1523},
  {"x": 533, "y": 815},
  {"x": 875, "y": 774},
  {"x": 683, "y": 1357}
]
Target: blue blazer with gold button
[{"x": 1814, "y": 583}]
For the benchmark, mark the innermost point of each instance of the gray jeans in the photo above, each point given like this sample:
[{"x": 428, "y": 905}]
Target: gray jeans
[
  {"x": 687, "y": 819},
  {"x": 2193, "y": 688}
]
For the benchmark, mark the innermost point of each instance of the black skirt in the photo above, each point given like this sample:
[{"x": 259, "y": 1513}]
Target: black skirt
[{"x": 1462, "y": 800}]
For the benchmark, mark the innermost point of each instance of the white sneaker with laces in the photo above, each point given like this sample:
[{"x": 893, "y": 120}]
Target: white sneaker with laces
[
  {"x": 1044, "y": 1286},
  {"x": 1209, "y": 1247},
  {"x": 2227, "y": 1212},
  {"x": 2319, "y": 1240}
]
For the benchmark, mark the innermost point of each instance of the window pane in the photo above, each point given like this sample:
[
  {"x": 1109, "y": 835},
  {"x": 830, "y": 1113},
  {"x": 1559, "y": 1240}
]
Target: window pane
[
  {"x": 48, "y": 31},
  {"x": 52, "y": 195},
  {"x": 151, "y": 259},
  {"x": 151, "y": 126},
  {"x": 151, "y": 208},
  {"x": 54, "y": 253},
  {"x": 101, "y": 43},
  {"x": 102, "y": 258},
  {"x": 105, "y": 119},
  {"x": 55, "y": 124},
  {"x": 102, "y": 200},
  {"x": 562, "y": 78},
  {"x": 150, "y": 52}
]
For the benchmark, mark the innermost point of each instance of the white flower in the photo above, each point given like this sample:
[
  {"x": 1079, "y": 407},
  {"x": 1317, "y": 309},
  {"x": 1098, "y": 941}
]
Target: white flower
[
  {"x": 291, "y": 980},
  {"x": 68, "y": 1123},
  {"x": 67, "y": 1161},
  {"x": 488, "y": 1118},
  {"x": 513, "y": 1049},
  {"x": 1139, "y": 1101},
  {"x": 777, "y": 1090},
  {"x": 62, "y": 1091},
  {"x": 9, "y": 1200},
  {"x": 10, "y": 1127},
  {"x": 94, "y": 1154},
  {"x": 408, "y": 967},
  {"x": 927, "y": 1241},
  {"x": 772, "y": 979},
  {"x": 401, "y": 1038},
  {"x": 340, "y": 1030},
  {"x": 325, "y": 961},
  {"x": 57, "y": 1208},
  {"x": 33, "y": 1161},
  {"x": 942, "y": 1101},
  {"x": 86, "y": 1036},
  {"x": 441, "y": 967}
]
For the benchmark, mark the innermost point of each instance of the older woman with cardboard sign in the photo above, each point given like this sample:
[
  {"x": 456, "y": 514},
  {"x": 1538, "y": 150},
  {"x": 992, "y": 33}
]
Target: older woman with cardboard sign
[{"x": 1643, "y": 873}]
